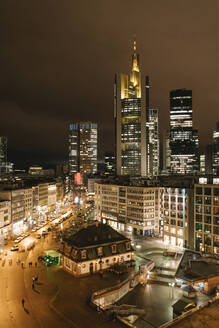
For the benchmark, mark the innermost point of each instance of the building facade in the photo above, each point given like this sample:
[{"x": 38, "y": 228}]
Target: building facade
[
  {"x": 94, "y": 248},
  {"x": 5, "y": 166},
  {"x": 202, "y": 164},
  {"x": 110, "y": 164},
  {"x": 215, "y": 150},
  {"x": 28, "y": 200},
  {"x": 17, "y": 200},
  {"x": 5, "y": 219},
  {"x": 83, "y": 148},
  {"x": 153, "y": 144},
  {"x": 166, "y": 152},
  {"x": 130, "y": 121},
  {"x": 177, "y": 217},
  {"x": 129, "y": 208},
  {"x": 184, "y": 143},
  {"x": 206, "y": 209}
]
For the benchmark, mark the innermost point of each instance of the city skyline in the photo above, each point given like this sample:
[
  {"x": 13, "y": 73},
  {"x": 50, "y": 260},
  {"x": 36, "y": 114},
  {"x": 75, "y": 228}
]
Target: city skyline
[{"x": 45, "y": 87}]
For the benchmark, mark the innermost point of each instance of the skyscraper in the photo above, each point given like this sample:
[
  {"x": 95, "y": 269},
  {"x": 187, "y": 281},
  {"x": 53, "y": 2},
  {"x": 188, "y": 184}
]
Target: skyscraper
[
  {"x": 215, "y": 150},
  {"x": 130, "y": 121},
  {"x": 184, "y": 144},
  {"x": 109, "y": 159},
  {"x": 3, "y": 150},
  {"x": 5, "y": 167},
  {"x": 83, "y": 148},
  {"x": 166, "y": 152},
  {"x": 202, "y": 164},
  {"x": 153, "y": 145}
]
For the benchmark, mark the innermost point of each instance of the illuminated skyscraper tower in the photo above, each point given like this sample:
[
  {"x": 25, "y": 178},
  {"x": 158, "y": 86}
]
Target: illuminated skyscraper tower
[
  {"x": 130, "y": 121},
  {"x": 215, "y": 150},
  {"x": 153, "y": 146},
  {"x": 184, "y": 144},
  {"x": 83, "y": 148}
]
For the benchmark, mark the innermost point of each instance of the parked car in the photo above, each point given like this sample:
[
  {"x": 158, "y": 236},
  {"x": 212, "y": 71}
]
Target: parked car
[
  {"x": 14, "y": 248},
  {"x": 189, "y": 307},
  {"x": 38, "y": 236},
  {"x": 34, "y": 229}
]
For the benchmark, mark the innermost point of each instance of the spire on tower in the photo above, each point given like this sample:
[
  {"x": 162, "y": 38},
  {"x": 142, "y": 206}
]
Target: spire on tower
[{"x": 135, "y": 57}]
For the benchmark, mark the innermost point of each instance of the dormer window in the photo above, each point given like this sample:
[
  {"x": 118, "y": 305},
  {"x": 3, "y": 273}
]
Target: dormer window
[
  {"x": 83, "y": 254},
  {"x": 113, "y": 249},
  {"x": 74, "y": 253},
  {"x": 100, "y": 251},
  {"x": 128, "y": 246}
]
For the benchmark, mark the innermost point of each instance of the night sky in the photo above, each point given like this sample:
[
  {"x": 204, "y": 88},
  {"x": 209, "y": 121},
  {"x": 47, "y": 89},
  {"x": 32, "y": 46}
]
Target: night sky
[{"x": 58, "y": 60}]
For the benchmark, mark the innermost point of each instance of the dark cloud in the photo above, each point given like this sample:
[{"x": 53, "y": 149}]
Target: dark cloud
[{"x": 58, "y": 59}]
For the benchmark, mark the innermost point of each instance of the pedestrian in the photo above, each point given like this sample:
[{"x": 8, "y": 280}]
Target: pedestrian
[
  {"x": 22, "y": 301},
  {"x": 22, "y": 265},
  {"x": 33, "y": 285},
  {"x": 36, "y": 278},
  {"x": 33, "y": 279}
]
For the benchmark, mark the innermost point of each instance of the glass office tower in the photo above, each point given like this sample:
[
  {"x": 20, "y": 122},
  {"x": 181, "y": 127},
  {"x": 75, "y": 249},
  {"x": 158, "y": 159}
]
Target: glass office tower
[
  {"x": 184, "y": 143},
  {"x": 215, "y": 150},
  {"x": 83, "y": 148},
  {"x": 153, "y": 144}
]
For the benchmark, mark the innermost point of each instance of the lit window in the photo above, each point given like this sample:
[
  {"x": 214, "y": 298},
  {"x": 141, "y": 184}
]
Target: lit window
[
  {"x": 83, "y": 254},
  {"x": 100, "y": 251},
  {"x": 113, "y": 249},
  {"x": 128, "y": 246}
]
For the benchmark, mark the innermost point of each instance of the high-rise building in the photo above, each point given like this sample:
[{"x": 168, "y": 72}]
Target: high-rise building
[
  {"x": 166, "y": 152},
  {"x": 215, "y": 150},
  {"x": 83, "y": 148},
  {"x": 130, "y": 121},
  {"x": 5, "y": 167},
  {"x": 202, "y": 164},
  {"x": 3, "y": 150},
  {"x": 153, "y": 146},
  {"x": 184, "y": 144},
  {"x": 109, "y": 164}
]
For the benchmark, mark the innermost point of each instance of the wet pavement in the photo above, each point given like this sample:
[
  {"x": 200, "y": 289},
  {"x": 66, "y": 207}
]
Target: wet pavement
[{"x": 157, "y": 302}]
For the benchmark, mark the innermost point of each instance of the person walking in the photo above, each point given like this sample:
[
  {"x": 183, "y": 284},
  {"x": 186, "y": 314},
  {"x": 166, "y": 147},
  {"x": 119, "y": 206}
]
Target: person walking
[
  {"x": 32, "y": 285},
  {"x": 22, "y": 301}
]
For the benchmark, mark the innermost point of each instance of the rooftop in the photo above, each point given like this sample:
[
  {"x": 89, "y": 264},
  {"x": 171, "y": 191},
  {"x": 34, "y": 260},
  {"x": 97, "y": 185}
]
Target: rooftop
[
  {"x": 194, "y": 267},
  {"x": 95, "y": 234}
]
